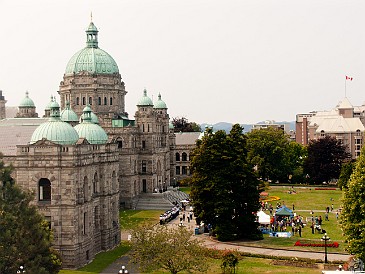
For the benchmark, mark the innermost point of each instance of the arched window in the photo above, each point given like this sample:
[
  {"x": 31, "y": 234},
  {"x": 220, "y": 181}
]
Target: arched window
[
  {"x": 105, "y": 101},
  {"x": 83, "y": 101},
  {"x": 90, "y": 101},
  {"x": 77, "y": 101},
  {"x": 44, "y": 190},
  {"x": 99, "y": 101},
  {"x": 111, "y": 101},
  {"x": 177, "y": 157},
  {"x": 184, "y": 156}
]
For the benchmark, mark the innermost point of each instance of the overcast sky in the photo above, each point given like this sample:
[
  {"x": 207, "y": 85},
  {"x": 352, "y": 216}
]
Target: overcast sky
[{"x": 234, "y": 61}]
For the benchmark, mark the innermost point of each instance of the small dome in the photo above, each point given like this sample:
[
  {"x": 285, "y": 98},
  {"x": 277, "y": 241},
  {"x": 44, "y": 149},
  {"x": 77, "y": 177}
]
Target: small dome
[
  {"x": 159, "y": 104},
  {"x": 92, "y": 58},
  {"x": 68, "y": 115},
  {"x": 48, "y": 107},
  {"x": 27, "y": 102},
  {"x": 93, "y": 133},
  {"x": 55, "y": 129},
  {"x": 94, "y": 118},
  {"x": 171, "y": 125},
  {"x": 145, "y": 100}
]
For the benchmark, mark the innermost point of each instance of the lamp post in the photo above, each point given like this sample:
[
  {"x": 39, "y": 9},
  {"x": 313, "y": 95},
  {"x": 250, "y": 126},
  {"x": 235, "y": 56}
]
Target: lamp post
[
  {"x": 325, "y": 238},
  {"x": 21, "y": 269},
  {"x": 123, "y": 270}
]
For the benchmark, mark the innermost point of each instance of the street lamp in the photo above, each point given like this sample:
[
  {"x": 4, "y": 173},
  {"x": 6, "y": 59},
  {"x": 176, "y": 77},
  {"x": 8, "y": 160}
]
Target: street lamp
[
  {"x": 325, "y": 238},
  {"x": 21, "y": 269},
  {"x": 123, "y": 270}
]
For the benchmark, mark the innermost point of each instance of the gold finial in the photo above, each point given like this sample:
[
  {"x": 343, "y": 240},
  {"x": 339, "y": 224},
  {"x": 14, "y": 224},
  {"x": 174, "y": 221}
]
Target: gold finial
[{"x": 91, "y": 16}]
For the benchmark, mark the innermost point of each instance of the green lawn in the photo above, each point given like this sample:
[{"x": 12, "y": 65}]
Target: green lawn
[
  {"x": 305, "y": 200},
  {"x": 101, "y": 261},
  {"x": 130, "y": 218}
]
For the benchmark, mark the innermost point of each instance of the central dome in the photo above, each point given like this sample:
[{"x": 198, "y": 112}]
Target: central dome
[{"x": 92, "y": 58}]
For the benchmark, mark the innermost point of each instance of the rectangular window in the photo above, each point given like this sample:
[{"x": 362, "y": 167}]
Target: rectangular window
[
  {"x": 177, "y": 170},
  {"x": 184, "y": 170},
  {"x": 144, "y": 167},
  {"x": 143, "y": 144}
]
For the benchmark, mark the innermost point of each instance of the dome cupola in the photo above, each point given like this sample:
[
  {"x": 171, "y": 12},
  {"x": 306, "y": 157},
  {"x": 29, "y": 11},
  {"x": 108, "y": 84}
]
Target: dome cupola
[
  {"x": 55, "y": 130},
  {"x": 92, "y": 58},
  {"x": 93, "y": 133},
  {"x": 145, "y": 100},
  {"x": 68, "y": 115},
  {"x": 159, "y": 104},
  {"x": 26, "y": 102}
]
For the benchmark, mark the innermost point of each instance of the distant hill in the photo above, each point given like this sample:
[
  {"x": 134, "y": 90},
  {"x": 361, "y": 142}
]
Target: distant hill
[{"x": 246, "y": 127}]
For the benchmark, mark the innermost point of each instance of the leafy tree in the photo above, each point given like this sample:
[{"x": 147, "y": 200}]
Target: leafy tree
[
  {"x": 274, "y": 156},
  {"x": 224, "y": 189},
  {"x": 173, "y": 249},
  {"x": 346, "y": 171},
  {"x": 25, "y": 238},
  {"x": 183, "y": 125},
  {"x": 353, "y": 214},
  {"x": 325, "y": 157}
]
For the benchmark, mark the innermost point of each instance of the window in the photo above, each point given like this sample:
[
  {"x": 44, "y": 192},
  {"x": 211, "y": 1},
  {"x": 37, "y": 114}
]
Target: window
[
  {"x": 105, "y": 101},
  {"x": 144, "y": 167},
  {"x": 148, "y": 127},
  {"x": 90, "y": 101},
  {"x": 177, "y": 157},
  {"x": 44, "y": 190},
  {"x": 322, "y": 133},
  {"x": 143, "y": 144},
  {"x": 184, "y": 156},
  {"x": 95, "y": 183},
  {"x": 111, "y": 101},
  {"x": 83, "y": 101},
  {"x": 77, "y": 101},
  {"x": 184, "y": 170},
  {"x": 177, "y": 170},
  {"x": 99, "y": 101}
]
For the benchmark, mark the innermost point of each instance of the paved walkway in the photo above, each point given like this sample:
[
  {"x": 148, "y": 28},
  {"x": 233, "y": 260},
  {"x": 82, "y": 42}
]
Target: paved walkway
[{"x": 237, "y": 245}]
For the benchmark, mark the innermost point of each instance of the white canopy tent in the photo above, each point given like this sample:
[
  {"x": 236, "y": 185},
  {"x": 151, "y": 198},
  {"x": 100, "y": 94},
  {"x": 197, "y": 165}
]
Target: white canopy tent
[{"x": 263, "y": 218}]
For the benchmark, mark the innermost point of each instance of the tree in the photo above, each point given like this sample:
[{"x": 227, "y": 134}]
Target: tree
[
  {"x": 274, "y": 156},
  {"x": 25, "y": 238},
  {"x": 346, "y": 171},
  {"x": 224, "y": 189},
  {"x": 325, "y": 157},
  {"x": 173, "y": 249},
  {"x": 353, "y": 213},
  {"x": 183, "y": 125}
]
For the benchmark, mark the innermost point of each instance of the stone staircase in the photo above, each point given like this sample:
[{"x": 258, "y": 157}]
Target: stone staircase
[{"x": 163, "y": 201}]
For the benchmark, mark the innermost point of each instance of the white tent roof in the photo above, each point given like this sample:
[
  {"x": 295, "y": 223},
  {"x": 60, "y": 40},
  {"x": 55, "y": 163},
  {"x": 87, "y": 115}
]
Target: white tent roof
[{"x": 263, "y": 218}]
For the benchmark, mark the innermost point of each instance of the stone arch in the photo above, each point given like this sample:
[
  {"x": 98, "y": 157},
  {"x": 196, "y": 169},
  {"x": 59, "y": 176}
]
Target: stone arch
[
  {"x": 184, "y": 156},
  {"x": 177, "y": 156},
  {"x": 44, "y": 190}
]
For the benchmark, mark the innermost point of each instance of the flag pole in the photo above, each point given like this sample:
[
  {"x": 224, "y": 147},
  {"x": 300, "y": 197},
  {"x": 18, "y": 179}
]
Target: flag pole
[{"x": 345, "y": 86}]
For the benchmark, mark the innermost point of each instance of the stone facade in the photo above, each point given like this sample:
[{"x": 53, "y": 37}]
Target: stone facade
[
  {"x": 2, "y": 106},
  {"x": 76, "y": 188}
]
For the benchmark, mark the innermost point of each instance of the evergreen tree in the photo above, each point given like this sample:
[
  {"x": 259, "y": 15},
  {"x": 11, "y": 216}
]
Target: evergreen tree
[
  {"x": 224, "y": 189},
  {"x": 183, "y": 125},
  {"x": 25, "y": 238},
  {"x": 353, "y": 214}
]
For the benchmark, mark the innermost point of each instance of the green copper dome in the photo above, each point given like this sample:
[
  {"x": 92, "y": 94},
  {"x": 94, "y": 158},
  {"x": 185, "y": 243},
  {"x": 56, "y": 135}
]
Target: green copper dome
[
  {"x": 55, "y": 129},
  {"x": 27, "y": 102},
  {"x": 145, "y": 100},
  {"x": 93, "y": 133},
  {"x": 48, "y": 107},
  {"x": 159, "y": 104},
  {"x": 92, "y": 58},
  {"x": 94, "y": 118},
  {"x": 68, "y": 115}
]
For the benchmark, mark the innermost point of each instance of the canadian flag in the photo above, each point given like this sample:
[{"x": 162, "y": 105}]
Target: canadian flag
[{"x": 349, "y": 78}]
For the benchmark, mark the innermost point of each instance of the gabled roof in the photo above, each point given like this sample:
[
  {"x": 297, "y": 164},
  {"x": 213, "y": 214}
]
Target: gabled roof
[
  {"x": 340, "y": 125},
  {"x": 344, "y": 103},
  {"x": 187, "y": 138}
]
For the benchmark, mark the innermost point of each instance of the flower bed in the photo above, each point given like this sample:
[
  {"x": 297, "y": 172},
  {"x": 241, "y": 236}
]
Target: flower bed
[{"x": 317, "y": 244}]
